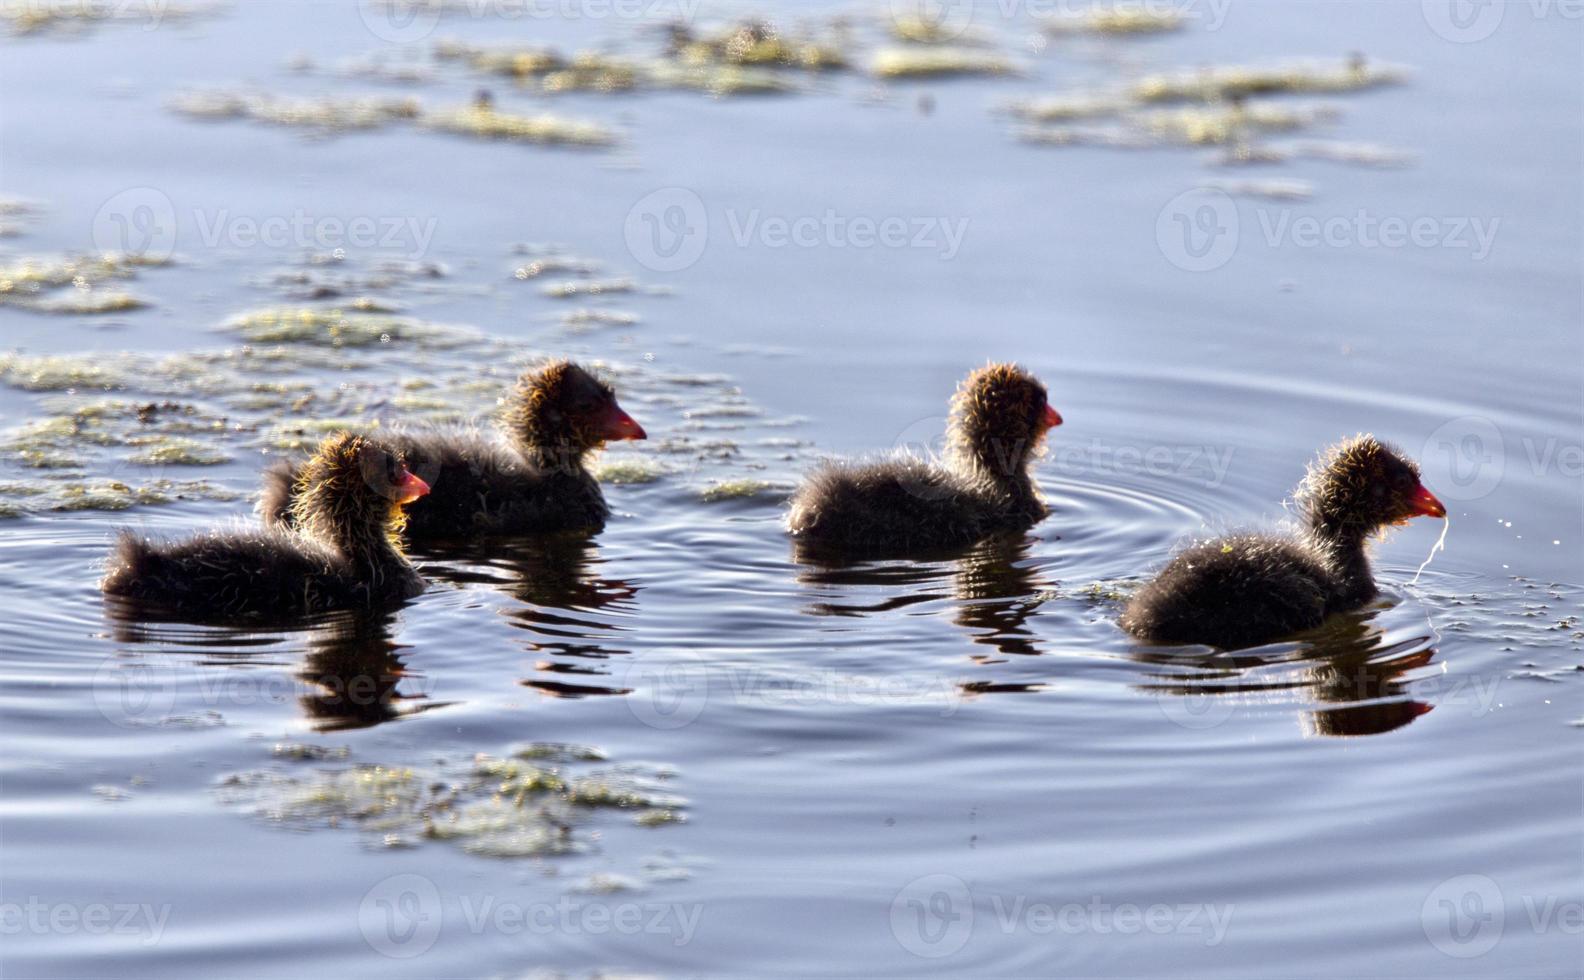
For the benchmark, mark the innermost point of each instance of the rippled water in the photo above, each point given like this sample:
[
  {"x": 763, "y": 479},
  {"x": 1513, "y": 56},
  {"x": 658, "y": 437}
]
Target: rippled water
[{"x": 896, "y": 768}]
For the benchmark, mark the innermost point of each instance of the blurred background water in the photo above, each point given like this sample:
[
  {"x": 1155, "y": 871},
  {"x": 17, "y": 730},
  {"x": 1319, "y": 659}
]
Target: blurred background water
[{"x": 953, "y": 767}]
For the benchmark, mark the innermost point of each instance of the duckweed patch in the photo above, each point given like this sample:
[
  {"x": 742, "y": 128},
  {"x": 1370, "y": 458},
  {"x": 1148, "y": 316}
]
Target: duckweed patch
[
  {"x": 178, "y": 452},
  {"x": 505, "y": 807},
  {"x": 588, "y": 287},
  {"x": 938, "y": 62},
  {"x": 486, "y": 122},
  {"x": 625, "y": 472},
  {"x": 330, "y": 115},
  {"x": 1242, "y": 81},
  {"x": 72, "y": 285},
  {"x": 754, "y": 42},
  {"x": 1115, "y": 21},
  {"x": 340, "y": 328},
  {"x": 742, "y": 490}
]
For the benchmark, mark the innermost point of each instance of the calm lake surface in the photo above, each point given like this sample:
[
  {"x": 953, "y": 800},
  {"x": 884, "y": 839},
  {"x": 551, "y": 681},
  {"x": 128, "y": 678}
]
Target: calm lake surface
[{"x": 951, "y": 767}]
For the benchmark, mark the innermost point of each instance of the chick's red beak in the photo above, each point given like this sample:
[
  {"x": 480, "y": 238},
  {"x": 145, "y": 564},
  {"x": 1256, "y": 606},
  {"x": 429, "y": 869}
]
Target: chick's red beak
[
  {"x": 409, "y": 487},
  {"x": 616, "y": 425},
  {"x": 1051, "y": 419},
  {"x": 1425, "y": 504}
]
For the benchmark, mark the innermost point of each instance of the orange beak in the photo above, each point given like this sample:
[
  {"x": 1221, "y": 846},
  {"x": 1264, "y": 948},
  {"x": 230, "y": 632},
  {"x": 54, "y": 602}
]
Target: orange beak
[
  {"x": 1425, "y": 504},
  {"x": 616, "y": 425},
  {"x": 409, "y": 488},
  {"x": 1051, "y": 419}
]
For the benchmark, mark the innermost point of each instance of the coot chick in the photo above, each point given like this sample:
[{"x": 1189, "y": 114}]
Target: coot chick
[
  {"x": 537, "y": 480},
  {"x": 999, "y": 417},
  {"x": 344, "y": 553},
  {"x": 1248, "y": 589}
]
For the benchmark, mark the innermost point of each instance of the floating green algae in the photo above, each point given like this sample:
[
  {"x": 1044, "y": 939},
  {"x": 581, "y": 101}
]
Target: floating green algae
[
  {"x": 754, "y": 42},
  {"x": 1228, "y": 82},
  {"x": 497, "y": 806},
  {"x": 24, "y": 18},
  {"x": 58, "y": 373},
  {"x": 333, "y": 327},
  {"x": 742, "y": 490},
  {"x": 486, "y": 122},
  {"x": 938, "y": 62},
  {"x": 328, "y": 113},
  {"x": 587, "y": 71},
  {"x": 72, "y": 284},
  {"x": 624, "y": 472},
  {"x": 588, "y": 287},
  {"x": 585, "y": 320},
  {"x": 178, "y": 452},
  {"x": 1227, "y": 124},
  {"x": 1115, "y": 21}
]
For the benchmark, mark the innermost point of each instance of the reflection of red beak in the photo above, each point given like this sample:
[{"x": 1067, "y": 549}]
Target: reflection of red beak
[
  {"x": 409, "y": 488},
  {"x": 1425, "y": 504},
  {"x": 616, "y": 425},
  {"x": 1051, "y": 419}
]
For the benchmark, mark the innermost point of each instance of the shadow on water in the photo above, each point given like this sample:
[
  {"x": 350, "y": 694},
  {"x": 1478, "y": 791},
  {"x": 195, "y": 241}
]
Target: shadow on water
[
  {"x": 1351, "y": 676},
  {"x": 567, "y": 607}
]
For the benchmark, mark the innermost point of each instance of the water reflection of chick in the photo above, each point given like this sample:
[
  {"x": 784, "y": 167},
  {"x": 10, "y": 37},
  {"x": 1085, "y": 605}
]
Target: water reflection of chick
[
  {"x": 569, "y": 610},
  {"x": 353, "y": 675},
  {"x": 993, "y": 581},
  {"x": 1349, "y": 667},
  {"x": 998, "y": 590},
  {"x": 1364, "y": 683}
]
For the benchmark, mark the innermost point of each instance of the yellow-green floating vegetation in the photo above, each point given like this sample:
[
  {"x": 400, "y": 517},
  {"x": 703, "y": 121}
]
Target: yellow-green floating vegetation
[
  {"x": 24, "y": 17},
  {"x": 1201, "y": 125},
  {"x": 938, "y": 62},
  {"x": 1117, "y": 21},
  {"x": 45, "y": 372},
  {"x": 586, "y": 320},
  {"x": 72, "y": 284},
  {"x": 487, "y": 122},
  {"x": 627, "y": 471},
  {"x": 557, "y": 265},
  {"x": 336, "y": 327},
  {"x": 588, "y": 287},
  {"x": 327, "y": 113},
  {"x": 745, "y": 489},
  {"x": 1235, "y": 81},
  {"x": 523, "y": 805},
  {"x": 176, "y": 451},
  {"x": 754, "y": 43}
]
